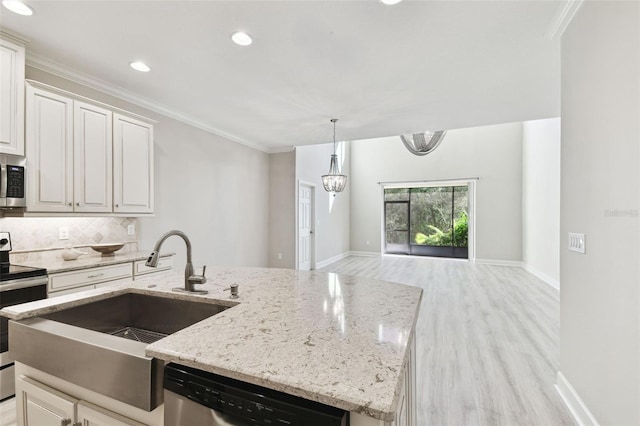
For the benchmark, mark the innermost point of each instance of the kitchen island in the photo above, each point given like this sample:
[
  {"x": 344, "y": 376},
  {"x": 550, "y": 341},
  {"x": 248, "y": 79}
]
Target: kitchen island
[{"x": 339, "y": 340}]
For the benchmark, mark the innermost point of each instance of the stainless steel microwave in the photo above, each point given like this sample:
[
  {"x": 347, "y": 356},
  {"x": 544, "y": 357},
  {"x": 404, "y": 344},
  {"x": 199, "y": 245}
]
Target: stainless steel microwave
[{"x": 13, "y": 181}]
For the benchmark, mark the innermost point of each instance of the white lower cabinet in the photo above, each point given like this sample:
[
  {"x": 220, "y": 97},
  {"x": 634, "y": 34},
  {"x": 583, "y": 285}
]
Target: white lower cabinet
[
  {"x": 164, "y": 264},
  {"x": 85, "y": 279},
  {"x": 62, "y": 283},
  {"x": 92, "y": 415},
  {"x": 40, "y": 405},
  {"x": 406, "y": 410}
]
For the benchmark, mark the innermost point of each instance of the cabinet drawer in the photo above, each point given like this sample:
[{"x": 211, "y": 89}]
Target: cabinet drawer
[
  {"x": 164, "y": 263},
  {"x": 88, "y": 276}
]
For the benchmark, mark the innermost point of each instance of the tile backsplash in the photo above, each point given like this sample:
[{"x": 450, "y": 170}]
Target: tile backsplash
[{"x": 36, "y": 238}]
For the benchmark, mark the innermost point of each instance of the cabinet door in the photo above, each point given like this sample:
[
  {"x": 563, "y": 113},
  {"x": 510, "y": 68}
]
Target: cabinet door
[
  {"x": 11, "y": 98},
  {"x": 38, "y": 404},
  {"x": 49, "y": 151},
  {"x": 92, "y": 415},
  {"x": 133, "y": 165},
  {"x": 92, "y": 152}
]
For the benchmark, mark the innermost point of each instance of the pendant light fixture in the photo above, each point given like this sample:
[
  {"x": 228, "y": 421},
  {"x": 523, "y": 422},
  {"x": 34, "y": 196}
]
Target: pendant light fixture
[
  {"x": 334, "y": 181},
  {"x": 423, "y": 143}
]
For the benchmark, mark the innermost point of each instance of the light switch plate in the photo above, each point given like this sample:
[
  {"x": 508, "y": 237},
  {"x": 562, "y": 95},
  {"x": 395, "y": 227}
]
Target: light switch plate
[
  {"x": 577, "y": 242},
  {"x": 131, "y": 229}
]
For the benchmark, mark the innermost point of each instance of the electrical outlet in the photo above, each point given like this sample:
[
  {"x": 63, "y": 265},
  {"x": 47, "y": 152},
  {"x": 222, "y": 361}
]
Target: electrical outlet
[
  {"x": 577, "y": 242},
  {"x": 63, "y": 233},
  {"x": 279, "y": 256},
  {"x": 131, "y": 229}
]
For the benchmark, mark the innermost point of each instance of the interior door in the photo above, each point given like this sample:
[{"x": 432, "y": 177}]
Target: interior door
[{"x": 305, "y": 224}]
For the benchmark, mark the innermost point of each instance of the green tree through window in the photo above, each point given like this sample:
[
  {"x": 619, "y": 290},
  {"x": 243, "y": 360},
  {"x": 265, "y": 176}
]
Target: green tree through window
[{"x": 438, "y": 216}]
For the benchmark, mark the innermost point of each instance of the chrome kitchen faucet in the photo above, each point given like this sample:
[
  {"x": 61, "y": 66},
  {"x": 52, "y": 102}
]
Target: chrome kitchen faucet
[{"x": 190, "y": 278}]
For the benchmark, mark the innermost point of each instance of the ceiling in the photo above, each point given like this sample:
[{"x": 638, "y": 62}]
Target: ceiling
[{"x": 382, "y": 70}]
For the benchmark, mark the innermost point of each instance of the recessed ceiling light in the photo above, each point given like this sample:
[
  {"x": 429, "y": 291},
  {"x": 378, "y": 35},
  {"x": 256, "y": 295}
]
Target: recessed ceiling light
[
  {"x": 139, "y": 66},
  {"x": 241, "y": 38},
  {"x": 17, "y": 6},
  {"x": 390, "y": 2}
]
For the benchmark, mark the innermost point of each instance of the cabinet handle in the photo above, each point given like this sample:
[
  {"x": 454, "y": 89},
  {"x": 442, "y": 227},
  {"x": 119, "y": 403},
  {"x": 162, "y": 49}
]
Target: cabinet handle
[
  {"x": 65, "y": 422},
  {"x": 78, "y": 204},
  {"x": 70, "y": 204},
  {"x": 117, "y": 205},
  {"x": 94, "y": 276}
]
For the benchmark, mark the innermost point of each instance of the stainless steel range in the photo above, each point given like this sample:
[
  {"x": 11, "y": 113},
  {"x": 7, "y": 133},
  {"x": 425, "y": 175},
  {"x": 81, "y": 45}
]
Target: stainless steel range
[{"x": 18, "y": 284}]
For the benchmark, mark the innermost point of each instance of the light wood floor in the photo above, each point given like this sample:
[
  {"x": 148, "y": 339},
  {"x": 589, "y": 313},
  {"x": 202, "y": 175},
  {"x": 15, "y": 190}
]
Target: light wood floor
[{"x": 487, "y": 341}]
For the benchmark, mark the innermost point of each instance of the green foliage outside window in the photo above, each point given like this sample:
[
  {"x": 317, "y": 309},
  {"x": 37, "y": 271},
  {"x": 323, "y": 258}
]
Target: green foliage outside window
[
  {"x": 437, "y": 237},
  {"x": 435, "y": 216}
]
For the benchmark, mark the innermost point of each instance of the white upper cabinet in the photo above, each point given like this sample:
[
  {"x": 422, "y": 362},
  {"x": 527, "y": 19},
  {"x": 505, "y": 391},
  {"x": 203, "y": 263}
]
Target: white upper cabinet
[
  {"x": 92, "y": 152},
  {"x": 85, "y": 158},
  {"x": 11, "y": 97},
  {"x": 133, "y": 165},
  {"x": 49, "y": 151}
]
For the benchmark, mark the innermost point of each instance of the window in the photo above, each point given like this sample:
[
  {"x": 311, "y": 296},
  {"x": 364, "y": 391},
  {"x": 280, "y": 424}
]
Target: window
[{"x": 427, "y": 221}]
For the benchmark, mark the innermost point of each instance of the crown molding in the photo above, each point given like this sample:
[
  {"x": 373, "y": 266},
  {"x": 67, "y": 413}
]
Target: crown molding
[
  {"x": 278, "y": 150},
  {"x": 564, "y": 15},
  {"x": 15, "y": 37},
  {"x": 47, "y": 65}
]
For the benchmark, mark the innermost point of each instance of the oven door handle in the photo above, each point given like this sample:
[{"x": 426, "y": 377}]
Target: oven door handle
[{"x": 23, "y": 283}]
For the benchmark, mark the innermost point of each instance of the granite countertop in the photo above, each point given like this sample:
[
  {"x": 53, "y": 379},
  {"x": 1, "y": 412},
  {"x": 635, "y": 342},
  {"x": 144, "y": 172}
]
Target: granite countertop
[
  {"x": 92, "y": 260},
  {"x": 336, "y": 339}
]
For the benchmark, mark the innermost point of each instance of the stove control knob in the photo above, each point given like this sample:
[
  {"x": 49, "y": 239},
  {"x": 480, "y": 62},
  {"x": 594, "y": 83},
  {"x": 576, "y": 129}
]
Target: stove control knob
[{"x": 3, "y": 241}]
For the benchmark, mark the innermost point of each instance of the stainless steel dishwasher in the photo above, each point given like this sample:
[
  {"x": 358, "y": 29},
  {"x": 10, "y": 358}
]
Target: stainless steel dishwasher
[{"x": 195, "y": 397}]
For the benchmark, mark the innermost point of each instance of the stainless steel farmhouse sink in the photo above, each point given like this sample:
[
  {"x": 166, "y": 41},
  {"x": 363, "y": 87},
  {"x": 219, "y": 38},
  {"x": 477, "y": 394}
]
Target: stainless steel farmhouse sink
[{"x": 100, "y": 345}]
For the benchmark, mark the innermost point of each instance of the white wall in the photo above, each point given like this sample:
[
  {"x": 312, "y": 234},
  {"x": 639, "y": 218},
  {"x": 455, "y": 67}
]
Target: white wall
[
  {"x": 541, "y": 198},
  {"x": 599, "y": 293},
  {"x": 492, "y": 153},
  {"x": 213, "y": 189},
  {"x": 332, "y": 212},
  {"x": 282, "y": 210}
]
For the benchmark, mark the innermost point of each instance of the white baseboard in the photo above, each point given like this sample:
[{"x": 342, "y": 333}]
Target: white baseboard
[
  {"x": 574, "y": 403},
  {"x": 364, "y": 253},
  {"x": 544, "y": 277},
  {"x": 331, "y": 260},
  {"x": 497, "y": 262}
]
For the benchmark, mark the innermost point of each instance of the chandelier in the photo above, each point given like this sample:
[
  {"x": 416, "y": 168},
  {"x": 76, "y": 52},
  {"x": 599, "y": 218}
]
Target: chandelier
[
  {"x": 334, "y": 181},
  {"x": 423, "y": 143}
]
